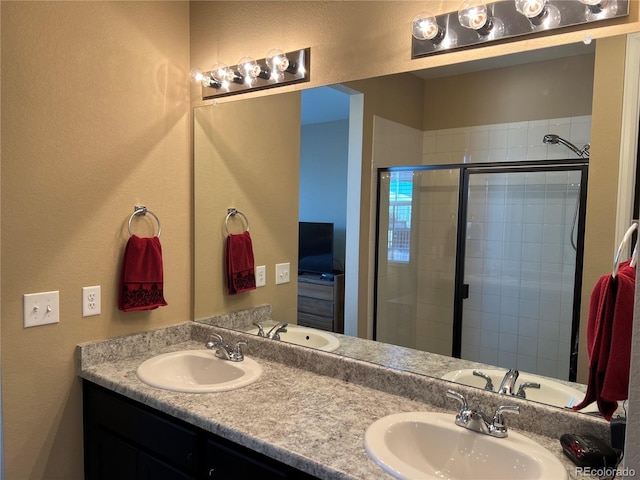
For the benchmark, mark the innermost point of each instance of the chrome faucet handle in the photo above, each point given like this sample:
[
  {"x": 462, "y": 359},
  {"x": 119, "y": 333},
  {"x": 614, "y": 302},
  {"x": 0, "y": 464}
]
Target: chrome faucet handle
[
  {"x": 487, "y": 378},
  {"x": 524, "y": 385},
  {"x": 275, "y": 331},
  {"x": 237, "y": 355},
  {"x": 460, "y": 398},
  {"x": 260, "y": 329},
  {"x": 499, "y": 428},
  {"x": 217, "y": 341}
]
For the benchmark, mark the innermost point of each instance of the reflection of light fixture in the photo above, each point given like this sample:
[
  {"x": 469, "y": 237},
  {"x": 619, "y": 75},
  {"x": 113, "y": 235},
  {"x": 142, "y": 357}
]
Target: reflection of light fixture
[
  {"x": 425, "y": 27},
  {"x": 474, "y": 15},
  {"x": 594, "y": 6},
  {"x": 250, "y": 69},
  {"x": 278, "y": 62},
  {"x": 599, "y": 9},
  {"x": 277, "y": 69},
  {"x": 222, "y": 74},
  {"x": 198, "y": 77},
  {"x": 541, "y": 15}
]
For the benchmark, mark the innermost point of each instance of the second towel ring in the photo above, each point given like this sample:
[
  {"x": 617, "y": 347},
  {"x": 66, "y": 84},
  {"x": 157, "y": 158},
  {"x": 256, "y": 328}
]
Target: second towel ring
[
  {"x": 231, "y": 212},
  {"x": 142, "y": 210}
]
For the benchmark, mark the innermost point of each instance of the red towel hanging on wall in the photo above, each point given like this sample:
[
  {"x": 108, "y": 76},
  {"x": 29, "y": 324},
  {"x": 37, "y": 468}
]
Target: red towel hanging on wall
[
  {"x": 609, "y": 340},
  {"x": 240, "y": 268},
  {"x": 141, "y": 279}
]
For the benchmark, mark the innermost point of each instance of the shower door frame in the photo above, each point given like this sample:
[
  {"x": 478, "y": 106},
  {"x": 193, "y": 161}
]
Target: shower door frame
[{"x": 465, "y": 170}]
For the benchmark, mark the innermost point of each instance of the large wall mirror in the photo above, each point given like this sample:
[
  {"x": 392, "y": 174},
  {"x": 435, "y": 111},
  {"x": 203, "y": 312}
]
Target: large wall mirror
[{"x": 469, "y": 133}]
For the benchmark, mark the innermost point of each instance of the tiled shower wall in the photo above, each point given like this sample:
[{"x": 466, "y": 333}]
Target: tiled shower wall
[{"x": 525, "y": 323}]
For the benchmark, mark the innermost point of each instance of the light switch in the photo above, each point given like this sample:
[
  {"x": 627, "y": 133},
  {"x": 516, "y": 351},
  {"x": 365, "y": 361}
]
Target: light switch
[
  {"x": 41, "y": 308},
  {"x": 282, "y": 273}
]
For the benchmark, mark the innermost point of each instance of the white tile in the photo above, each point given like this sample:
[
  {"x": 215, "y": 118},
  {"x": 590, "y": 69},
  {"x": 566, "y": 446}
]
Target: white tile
[
  {"x": 498, "y": 155},
  {"x": 508, "y": 342},
  {"x": 553, "y": 215},
  {"x": 491, "y": 303},
  {"x": 488, "y": 355},
  {"x": 518, "y": 136},
  {"x": 527, "y": 345},
  {"x": 489, "y": 339},
  {"x": 549, "y": 329},
  {"x": 532, "y": 233},
  {"x": 479, "y": 139},
  {"x": 527, "y": 327},
  {"x": 491, "y": 322},
  {"x": 548, "y": 349},
  {"x": 516, "y": 154},
  {"x": 552, "y": 253},
  {"x": 510, "y": 306},
  {"x": 513, "y": 231},
  {"x": 478, "y": 155},
  {"x": 529, "y": 308},
  {"x": 537, "y": 152},
  {"x": 507, "y": 359},
  {"x": 527, "y": 363},
  {"x": 533, "y": 213},
  {"x": 509, "y": 324},
  {"x": 546, "y": 367},
  {"x": 531, "y": 252}
]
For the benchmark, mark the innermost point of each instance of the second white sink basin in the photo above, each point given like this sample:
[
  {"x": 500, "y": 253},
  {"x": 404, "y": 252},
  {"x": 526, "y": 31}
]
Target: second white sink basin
[
  {"x": 550, "y": 392},
  {"x": 307, "y": 337},
  {"x": 429, "y": 445},
  {"x": 197, "y": 371}
]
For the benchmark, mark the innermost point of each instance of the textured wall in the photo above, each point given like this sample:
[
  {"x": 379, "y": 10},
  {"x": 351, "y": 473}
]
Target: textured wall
[{"x": 95, "y": 119}]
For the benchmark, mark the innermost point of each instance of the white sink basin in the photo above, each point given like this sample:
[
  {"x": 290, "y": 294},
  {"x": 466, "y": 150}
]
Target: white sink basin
[
  {"x": 307, "y": 337},
  {"x": 550, "y": 392},
  {"x": 425, "y": 445},
  {"x": 197, "y": 371}
]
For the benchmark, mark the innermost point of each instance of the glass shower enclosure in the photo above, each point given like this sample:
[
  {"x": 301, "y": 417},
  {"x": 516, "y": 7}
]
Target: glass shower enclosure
[{"x": 483, "y": 262}]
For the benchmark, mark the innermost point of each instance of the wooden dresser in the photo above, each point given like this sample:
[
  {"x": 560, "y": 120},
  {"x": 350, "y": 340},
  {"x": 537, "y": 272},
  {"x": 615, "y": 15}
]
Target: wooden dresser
[{"x": 321, "y": 302}]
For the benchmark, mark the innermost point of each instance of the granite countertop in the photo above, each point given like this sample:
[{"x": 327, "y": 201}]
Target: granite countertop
[{"x": 307, "y": 420}]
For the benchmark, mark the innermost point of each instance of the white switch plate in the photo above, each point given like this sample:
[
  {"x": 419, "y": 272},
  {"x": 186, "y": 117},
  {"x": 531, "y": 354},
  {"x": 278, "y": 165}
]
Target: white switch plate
[
  {"x": 41, "y": 308},
  {"x": 282, "y": 273},
  {"x": 261, "y": 276},
  {"x": 91, "y": 301}
]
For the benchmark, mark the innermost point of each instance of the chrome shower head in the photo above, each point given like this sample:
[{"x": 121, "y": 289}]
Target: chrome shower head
[{"x": 553, "y": 139}]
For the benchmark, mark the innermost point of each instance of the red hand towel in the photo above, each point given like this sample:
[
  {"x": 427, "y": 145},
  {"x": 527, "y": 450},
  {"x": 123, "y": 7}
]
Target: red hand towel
[
  {"x": 616, "y": 378},
  {"x": 609, "y": 340},
  {"x": 141, "y": 279},
  {"x": 240, "y": 264}
]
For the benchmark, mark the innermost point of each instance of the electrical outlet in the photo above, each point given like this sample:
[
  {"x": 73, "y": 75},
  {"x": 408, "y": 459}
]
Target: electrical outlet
[
  {"x": 90, "y": 301},
  {"x": 261, "y": 276},
  {"x": 41, "y": 308},
  {"x": 282, "y": 273}
]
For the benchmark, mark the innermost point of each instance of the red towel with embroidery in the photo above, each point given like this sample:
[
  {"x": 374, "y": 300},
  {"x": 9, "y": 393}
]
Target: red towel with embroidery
[
  {"x": 240, "y": 268},
  {"x": 609, "y": 340},
  {"x": 141, "y": 279}
]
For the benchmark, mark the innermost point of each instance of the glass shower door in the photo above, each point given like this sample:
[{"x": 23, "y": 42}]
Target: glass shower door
[
  {"x": 416, "y": 258},
  {"x": 520, "y": 258}
]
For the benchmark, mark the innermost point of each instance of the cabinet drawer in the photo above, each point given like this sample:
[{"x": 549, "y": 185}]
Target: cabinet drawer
[
  {"x": 161, "y": 437},
  {"x": 316, "y": 290},
  {"x": 315, "y": 306},
  {"x": 315, "y": 321}
]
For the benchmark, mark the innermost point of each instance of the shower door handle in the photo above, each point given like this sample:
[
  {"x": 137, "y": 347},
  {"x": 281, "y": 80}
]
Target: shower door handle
[{"x": 464, "y": 292}]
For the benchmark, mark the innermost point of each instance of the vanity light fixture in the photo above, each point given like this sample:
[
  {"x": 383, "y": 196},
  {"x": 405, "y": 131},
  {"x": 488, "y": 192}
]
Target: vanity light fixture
[
  {"x": 477, "y": 21},
  {"x": 276, "y": 69}
]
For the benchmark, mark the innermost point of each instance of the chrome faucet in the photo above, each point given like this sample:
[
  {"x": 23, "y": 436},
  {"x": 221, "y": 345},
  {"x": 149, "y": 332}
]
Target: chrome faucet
[
  {"x": 224, "y": 350},
  {"x": 276, "y": 330},
  {"x": 260, "y": 329},
  {"x": 489, "y": 383},
  {"x": 508, "y": 384},
  {"x": 477, "y": 421}
]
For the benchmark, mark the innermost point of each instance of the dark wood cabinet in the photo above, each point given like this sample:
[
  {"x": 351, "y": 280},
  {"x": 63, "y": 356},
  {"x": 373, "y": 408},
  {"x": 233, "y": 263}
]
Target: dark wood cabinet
[
  {"x": 321, "y": 302},
  {"x": 126, "y": 440}
]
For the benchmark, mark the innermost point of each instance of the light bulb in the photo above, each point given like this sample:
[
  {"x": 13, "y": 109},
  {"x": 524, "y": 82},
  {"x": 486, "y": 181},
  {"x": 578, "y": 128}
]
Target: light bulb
[
  {"x": 196, "y": 76},
  {"x": 531, "y": 8},
  {"x": 248, "y": 68},
  {"x": 277, "y": 61},
  {"x": 425, "y": 27},
  {"x": 473, "y": 15},
  {"x": 221, "y": 73},
  {"x": 599, "y": 9}
]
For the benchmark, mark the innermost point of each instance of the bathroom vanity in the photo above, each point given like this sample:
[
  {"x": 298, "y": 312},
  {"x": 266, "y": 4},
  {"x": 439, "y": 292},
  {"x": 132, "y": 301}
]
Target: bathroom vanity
[{"x": 305, "y": 417}]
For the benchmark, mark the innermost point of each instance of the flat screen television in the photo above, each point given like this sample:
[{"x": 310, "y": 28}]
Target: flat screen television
[{"x": 315, "y": 247}]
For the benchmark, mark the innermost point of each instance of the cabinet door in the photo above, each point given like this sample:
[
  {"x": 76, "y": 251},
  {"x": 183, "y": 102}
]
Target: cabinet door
[
  {"x": 150, "y": 468},
  {"x": 110, "y": 457},
  {"x": 232, "y": 462}
]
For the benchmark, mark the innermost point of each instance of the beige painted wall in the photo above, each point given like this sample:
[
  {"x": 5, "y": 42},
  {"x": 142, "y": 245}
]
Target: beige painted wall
[
  {"x": 95, "y": 119},
  {"x": 247, "y": 157}
]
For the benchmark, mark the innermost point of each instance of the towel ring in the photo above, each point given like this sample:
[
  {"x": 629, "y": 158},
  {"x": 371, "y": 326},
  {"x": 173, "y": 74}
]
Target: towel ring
[
  {"x": 139, "y": 210},
  {"x": 623, "y": 243},
  {"x": 232, "y": 212}
]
